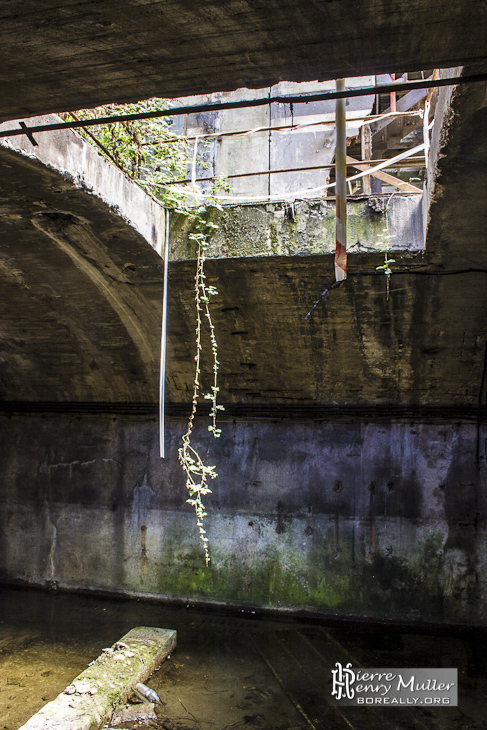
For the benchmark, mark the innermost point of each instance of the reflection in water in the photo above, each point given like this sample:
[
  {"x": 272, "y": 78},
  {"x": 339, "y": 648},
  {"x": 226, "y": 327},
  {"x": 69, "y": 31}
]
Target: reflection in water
[{"x": 228, "y": 672}]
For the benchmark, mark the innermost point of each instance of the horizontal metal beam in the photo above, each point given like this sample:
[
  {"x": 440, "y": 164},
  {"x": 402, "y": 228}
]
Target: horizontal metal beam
[
  {"x": 292, "y": 99},
  {"x": 417, "y": 161}
]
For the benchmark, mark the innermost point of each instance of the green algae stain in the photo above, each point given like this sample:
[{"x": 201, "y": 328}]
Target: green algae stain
[
  {"x": 274, "y": 238},
  {"x": 274, "y": 577}
]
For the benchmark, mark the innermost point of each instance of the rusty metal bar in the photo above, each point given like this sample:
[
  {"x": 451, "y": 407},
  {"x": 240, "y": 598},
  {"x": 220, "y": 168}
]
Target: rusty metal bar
[
  {"x": 418, "y": 161},
  {"x": 393, "y": 95},
  {"x": 370, "y": 118}
]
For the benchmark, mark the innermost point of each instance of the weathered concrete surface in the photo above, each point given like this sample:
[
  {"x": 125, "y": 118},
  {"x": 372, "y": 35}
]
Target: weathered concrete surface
[
  {"x": 361, "y": 516},
  {"x": 67, "y": 55},
  {"x": 376, "y": 224},
  {"x": 90, "y": 289},
  {"x": 461, "y": 174},
  {"x": 80, "y": 265},
  {"x": 438, "y": 135},
  {"x": 424, "y": 345},
  {"x": 89, "y": 699},
  {"x": 65, "y": 151},
  {"x": 380, "y": 519},
  {"x": 133, "y": 713}
]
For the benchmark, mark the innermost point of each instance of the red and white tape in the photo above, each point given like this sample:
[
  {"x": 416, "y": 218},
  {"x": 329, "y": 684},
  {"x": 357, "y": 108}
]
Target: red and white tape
[{"x": 341, "y": 187}]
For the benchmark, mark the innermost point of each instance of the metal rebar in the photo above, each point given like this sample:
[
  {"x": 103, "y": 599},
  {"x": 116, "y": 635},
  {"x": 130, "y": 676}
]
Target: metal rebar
[{"x": 418, "y": 159}]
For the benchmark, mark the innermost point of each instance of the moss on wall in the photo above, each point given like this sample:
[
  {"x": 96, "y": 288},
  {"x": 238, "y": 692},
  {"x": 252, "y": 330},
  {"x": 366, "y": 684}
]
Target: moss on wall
[{"x": 305, "y": 229}]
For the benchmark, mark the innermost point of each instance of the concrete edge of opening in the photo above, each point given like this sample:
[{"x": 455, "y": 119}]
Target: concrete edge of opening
[
  {"x": 69, "y": 154},
  {"x": 439, "y": 134}
]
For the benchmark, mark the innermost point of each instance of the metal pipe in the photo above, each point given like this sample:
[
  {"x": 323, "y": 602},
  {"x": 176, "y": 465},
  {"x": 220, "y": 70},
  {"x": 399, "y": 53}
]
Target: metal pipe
[
  {"x": 162, "y": 378},
  {"x": 292, "y": 99}
]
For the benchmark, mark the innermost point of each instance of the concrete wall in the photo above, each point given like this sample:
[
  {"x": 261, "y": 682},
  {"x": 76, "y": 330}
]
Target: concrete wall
[
  {"x": 78, "y": 55},
  {"x": 271, "y": 150},
  {"x": 375, "y": 224},
  {"x": 81, "y": 275},
  {"x": 377, "y": 519}
]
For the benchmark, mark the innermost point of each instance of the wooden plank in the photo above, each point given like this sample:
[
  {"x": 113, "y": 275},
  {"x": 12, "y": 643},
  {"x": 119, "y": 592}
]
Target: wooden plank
[
  {"x": 381, "y": 175},
  {"x": 89, "y": 700}
]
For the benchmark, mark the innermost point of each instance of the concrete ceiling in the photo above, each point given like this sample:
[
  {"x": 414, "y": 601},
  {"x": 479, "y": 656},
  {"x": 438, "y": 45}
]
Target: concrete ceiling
[
  {"x": 423, "y": 347},
  {"x": 67, "y": 54},
  {"x": 80, "y": 294},
  {"x": 61, "y": 342}
]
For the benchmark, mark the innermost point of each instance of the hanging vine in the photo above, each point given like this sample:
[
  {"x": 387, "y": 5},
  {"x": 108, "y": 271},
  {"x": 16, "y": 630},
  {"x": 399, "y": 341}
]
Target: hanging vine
[
  {"x": 153, "y": 156},
  {"x": 197, "y": 472}
]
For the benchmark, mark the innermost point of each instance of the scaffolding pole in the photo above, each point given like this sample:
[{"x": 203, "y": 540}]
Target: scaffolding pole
[{"x": 341, "y": 186}]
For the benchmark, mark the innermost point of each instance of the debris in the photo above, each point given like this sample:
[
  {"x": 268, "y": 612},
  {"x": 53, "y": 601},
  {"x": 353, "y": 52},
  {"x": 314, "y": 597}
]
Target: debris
[
  {"x": 91, "y": 697},
  {"x": 146, "y": 692},
  {"x": 133, "y": 713}
]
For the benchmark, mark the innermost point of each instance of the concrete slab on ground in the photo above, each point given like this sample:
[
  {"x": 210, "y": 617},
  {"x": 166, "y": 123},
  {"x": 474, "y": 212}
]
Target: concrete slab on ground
[{"x": 88, "y": 701}]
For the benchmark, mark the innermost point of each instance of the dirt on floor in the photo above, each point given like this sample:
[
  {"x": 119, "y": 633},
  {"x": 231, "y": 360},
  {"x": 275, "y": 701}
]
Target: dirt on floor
[{"x": 230, "y": 673}]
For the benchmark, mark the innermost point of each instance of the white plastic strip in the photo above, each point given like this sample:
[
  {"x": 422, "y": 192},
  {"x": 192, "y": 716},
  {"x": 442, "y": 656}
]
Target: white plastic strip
[
  {"x": 162, "y": 377},
  {"x": 371, "y": 118},
  {"x": 307, "y": 192}
]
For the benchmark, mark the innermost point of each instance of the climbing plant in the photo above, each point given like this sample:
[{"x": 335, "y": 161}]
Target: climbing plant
[
  {"x": 384, "y": 238},
  {"x": 147, "y": 150},
  {"x": 150, "y": 153}
]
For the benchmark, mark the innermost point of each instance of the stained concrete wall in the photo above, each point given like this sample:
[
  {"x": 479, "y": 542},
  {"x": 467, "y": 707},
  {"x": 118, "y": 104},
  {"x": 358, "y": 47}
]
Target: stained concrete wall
[
  {"x": 81, "y": 274},
  {"x": 370, "y": 517},
  {"x": 362, "y": 518},
  {"x": 275, "y": 149},
  {"x": 374, "y": 224}
]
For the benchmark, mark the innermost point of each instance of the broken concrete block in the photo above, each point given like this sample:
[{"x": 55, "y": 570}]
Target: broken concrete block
[
  {"x": 133, "y": 713},
  {"x": 87, "y": 702}
]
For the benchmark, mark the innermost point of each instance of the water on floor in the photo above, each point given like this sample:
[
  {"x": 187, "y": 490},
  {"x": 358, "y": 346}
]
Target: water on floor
[{"x": 230, "y": 672}]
